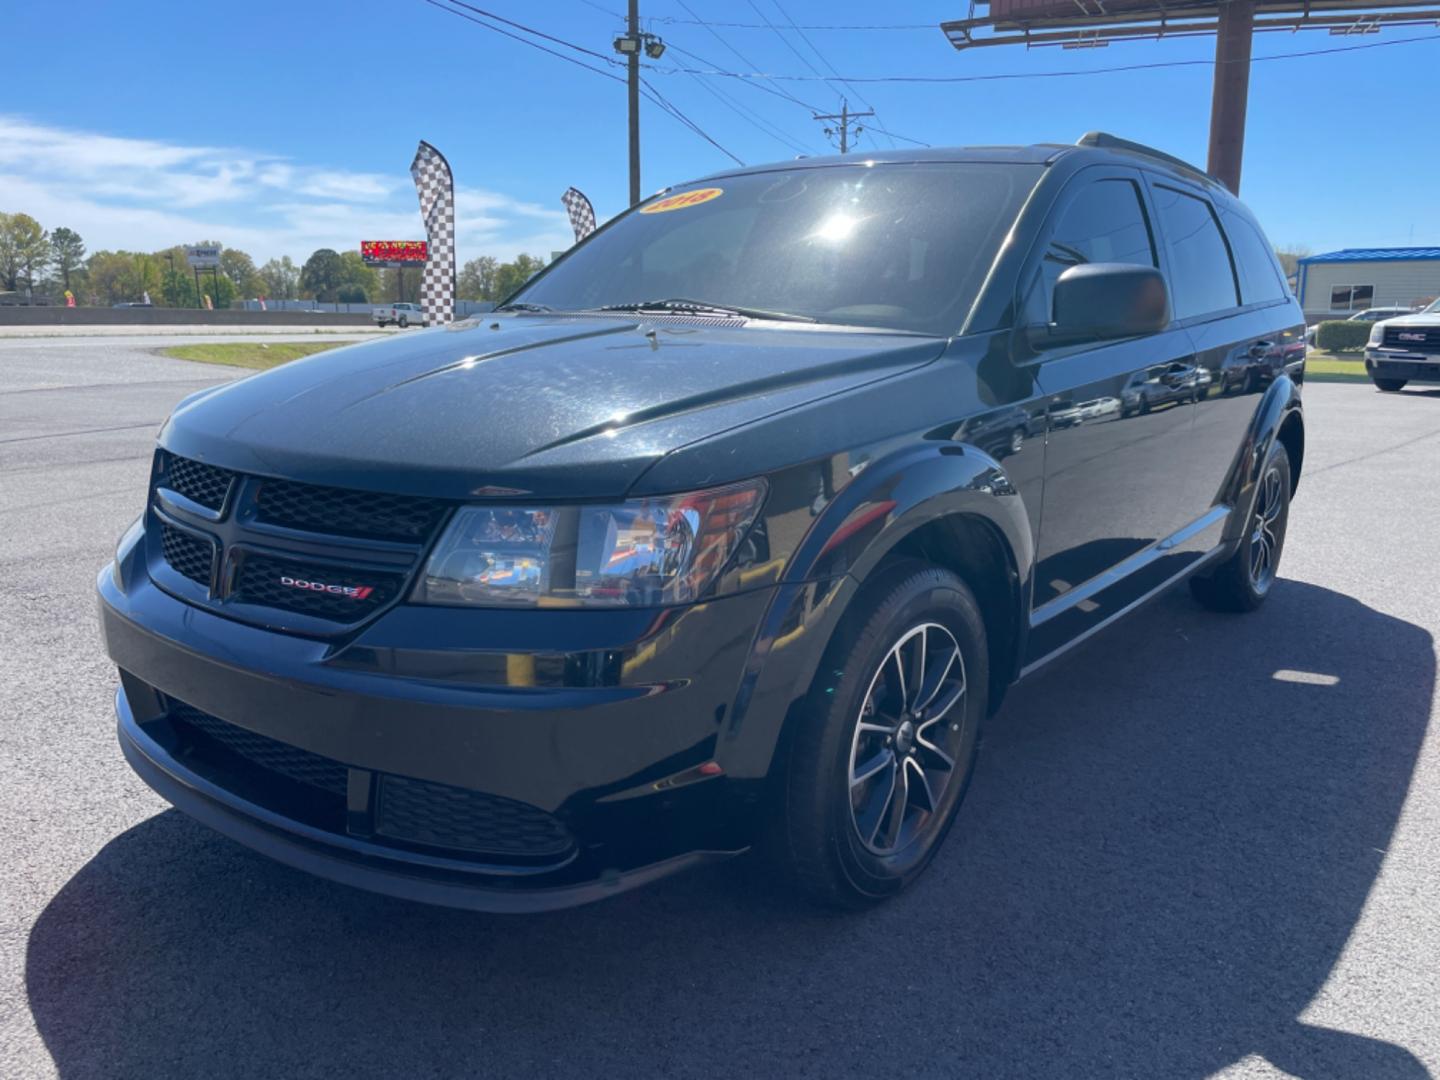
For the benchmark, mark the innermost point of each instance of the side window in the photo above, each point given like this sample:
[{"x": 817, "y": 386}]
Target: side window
[
  {"x": 1202, "y": 279},
  {"x": 1105, "y": 222},
  {"x": 1259, "y": 280}
]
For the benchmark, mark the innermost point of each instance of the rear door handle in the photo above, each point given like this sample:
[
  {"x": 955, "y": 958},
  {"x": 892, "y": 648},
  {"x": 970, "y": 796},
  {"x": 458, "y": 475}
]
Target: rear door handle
[{"x": 1260, "y": 348}]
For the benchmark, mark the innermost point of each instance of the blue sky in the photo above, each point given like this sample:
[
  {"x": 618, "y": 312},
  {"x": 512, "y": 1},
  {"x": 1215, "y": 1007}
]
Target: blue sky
[{"x": 281, "y": 127}]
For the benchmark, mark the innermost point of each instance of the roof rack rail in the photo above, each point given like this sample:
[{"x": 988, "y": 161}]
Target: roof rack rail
[{"x": 1105, "y": 141}]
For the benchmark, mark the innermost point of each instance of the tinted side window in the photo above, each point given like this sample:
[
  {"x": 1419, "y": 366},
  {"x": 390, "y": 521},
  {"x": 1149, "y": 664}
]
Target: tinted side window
[
  {"x": 1259, "y": 280},
  {"x": 1105, "y": 223},
  {"x": 1202, "y": 280}
]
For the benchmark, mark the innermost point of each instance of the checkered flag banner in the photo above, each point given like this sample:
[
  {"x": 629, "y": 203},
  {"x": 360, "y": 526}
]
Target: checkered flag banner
[
  {"x": 582, "y": 214},
  {"x": 436, "y": 187}
]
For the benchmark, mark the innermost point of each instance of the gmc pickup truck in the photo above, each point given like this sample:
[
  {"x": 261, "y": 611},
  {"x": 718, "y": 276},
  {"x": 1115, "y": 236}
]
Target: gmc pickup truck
[
  {"x": 402, "y": 315},
  {"x": 1405, "y": 350}
]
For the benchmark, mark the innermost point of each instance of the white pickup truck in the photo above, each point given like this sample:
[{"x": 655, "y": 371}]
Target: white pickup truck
[{"x": 400, "y": 314}]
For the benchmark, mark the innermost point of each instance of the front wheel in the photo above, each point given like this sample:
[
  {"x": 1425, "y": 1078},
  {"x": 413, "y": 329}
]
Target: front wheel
[
  {"x": 1389, "y": 386},
  {"x": 1243, "y": 581},
  {"x": 886, "y": 746}
]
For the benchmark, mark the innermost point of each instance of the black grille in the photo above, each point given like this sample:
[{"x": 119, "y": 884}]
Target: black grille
[
  {"x": 271, "y": 754},
  {"x": 316, "y": 590},
  {"x": 368, "y": 514},
  {"x": 406, "y": 811},
  {"x": 437, "y": 815},
  {"x": 188, "y": 555},
  {"x": 1424, "y": 339},
  {"x": 201, "y": 483}
]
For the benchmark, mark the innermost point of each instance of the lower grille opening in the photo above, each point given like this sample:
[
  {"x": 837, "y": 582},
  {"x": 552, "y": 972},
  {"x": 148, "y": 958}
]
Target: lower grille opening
[{"x": 406, "y": 812}]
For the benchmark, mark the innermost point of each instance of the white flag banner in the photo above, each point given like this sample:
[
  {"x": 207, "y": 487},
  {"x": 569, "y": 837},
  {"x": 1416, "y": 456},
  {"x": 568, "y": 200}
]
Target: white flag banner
[{"x": 436, "y": 188}]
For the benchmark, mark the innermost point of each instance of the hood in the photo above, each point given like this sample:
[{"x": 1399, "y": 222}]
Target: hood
[
  {"x": 1415, "y": 318},
  {"x": 569, "y": 406}
]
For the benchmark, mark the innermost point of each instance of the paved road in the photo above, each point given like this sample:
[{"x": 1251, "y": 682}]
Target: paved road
[{"x": 1196, "y": 845}]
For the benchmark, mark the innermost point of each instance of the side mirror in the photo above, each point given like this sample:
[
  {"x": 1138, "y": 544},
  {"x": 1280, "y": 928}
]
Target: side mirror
[{"x": 1105, "y": 302}]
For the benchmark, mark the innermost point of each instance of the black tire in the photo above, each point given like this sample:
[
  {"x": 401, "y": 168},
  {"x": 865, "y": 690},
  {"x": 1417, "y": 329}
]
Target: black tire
[
  {"x": 1236, "y": 585},
  {"x": 404, "y": 322},
  {"x": 1389, "y": 386},
  {"x": 818, "y": 832},
  {"x": 381, "y": 324}
]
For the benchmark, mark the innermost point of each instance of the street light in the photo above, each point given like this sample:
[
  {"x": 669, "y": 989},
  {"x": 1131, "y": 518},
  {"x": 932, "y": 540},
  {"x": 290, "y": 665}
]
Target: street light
[{"x": 632, "y": 44}]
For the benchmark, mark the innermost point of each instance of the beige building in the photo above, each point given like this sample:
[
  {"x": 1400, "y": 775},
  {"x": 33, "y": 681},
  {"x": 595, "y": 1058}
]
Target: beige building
[{"x": 1340, "y": 283}]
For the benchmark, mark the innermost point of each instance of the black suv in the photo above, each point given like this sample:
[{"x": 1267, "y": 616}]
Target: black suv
[{"x": 686, "y": 549}]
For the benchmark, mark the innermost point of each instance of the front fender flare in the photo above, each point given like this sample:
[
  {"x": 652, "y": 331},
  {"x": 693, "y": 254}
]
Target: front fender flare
[{"x": 887, "y": 501}]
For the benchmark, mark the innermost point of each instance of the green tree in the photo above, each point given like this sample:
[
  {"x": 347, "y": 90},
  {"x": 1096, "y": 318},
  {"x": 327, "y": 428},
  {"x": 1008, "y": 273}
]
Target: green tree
[
  {"x": 24, "y": 250},
  {"x": 510, "y": 276},
  {"x": 359, "y": 278},
  {"x": 477, "y": 279},
  {"x": 240, "y": 269},
  {"x": 281, "y": 278},
  {"x": 1290, "y": 257},
  {"x": 108, "y": 275},
  {"x": 322, "y": 274},
  {"x": 67, "y": 253}
]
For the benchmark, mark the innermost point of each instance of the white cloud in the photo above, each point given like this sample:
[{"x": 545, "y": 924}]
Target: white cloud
[{"x": 141, "y": 194}]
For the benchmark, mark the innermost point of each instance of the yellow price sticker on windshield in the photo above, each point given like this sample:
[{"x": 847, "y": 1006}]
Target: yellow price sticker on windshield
[{"x": 683, "y": 200}]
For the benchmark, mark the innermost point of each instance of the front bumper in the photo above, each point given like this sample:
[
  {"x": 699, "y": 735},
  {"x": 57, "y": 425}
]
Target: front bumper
[
  {"x": 1415, "y": 367},
  {"x": 617, "y": 724}
]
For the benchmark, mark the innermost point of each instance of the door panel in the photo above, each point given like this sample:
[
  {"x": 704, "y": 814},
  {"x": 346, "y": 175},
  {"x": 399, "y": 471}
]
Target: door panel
[{"x": 1117, "y": 476}]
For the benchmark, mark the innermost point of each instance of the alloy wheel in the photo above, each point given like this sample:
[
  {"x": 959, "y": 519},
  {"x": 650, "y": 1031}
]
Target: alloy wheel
[
  {"x": 903, "y": 756},
  {"x": 1265, "y": 532}
]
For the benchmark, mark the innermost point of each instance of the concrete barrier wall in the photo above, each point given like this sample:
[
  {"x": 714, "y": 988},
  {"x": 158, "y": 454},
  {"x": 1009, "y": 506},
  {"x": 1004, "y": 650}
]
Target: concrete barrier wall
[{"x": 98, "y": 316}]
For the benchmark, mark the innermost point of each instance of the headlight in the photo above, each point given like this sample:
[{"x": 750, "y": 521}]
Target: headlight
[
  {"x": 644, "y": 552},
  {"x": 1377, "y": 334}
]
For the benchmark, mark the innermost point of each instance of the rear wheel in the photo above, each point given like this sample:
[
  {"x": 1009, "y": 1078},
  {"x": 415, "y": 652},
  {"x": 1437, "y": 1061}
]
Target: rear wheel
[
  {"x": 1242, "y": 582},
  {"x": 887, "y": 743},
  {"x": 404, "y": 322},
  {"x": 1388, "y": 385}
]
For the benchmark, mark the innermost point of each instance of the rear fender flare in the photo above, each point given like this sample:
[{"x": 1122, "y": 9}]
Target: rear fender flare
[{"x": 1281, "y": 401}]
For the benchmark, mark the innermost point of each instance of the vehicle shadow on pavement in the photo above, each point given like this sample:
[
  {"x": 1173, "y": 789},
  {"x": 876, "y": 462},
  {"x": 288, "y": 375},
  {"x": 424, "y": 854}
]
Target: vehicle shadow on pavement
[{"x": 1165, "y": 849}]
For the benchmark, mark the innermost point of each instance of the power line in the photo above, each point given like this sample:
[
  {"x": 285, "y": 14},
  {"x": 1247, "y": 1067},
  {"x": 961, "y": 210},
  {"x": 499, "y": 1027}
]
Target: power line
[
  {"x": 773, "y": 90},
  {"x": 825, "y": 60},
  {"x": 752, "y": 75},
  {"x": 747, "y": 62},
  {"x": 750, "y": 116},
  {"x": 674, "y": 111},
  {"x": 527, "y": 41},
  {"x": 651, "y": 93}
]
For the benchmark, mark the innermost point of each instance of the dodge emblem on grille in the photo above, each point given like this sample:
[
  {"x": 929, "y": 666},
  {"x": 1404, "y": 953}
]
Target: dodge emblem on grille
[{"x": 354, "y": 592}]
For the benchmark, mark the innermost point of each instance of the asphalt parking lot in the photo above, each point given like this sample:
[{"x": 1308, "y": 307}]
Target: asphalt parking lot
[{"x": 1197, "y": 845}]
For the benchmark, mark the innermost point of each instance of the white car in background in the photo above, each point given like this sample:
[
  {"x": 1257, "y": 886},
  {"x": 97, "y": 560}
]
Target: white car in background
[{"x": 1374, "y": 314}]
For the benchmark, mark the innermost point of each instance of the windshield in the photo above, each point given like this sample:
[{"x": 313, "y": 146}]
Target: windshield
[
  {"x": 1434, "y": 307},
  {"x": 901, "y": 246}
]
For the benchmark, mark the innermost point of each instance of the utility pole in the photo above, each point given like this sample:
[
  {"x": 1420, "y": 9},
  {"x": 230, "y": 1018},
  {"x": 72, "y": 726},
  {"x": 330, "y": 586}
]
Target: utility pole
[
  {"x": 633, "y": 75},
  {"x": 629, "y": 45},
  {"x": 1235, "y": 30},
  {"x": 844, "y": 116}
]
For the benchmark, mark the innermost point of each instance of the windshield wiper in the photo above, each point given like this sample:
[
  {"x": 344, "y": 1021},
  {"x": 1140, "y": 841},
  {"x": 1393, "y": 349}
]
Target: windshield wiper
[
  {"x": 701, "y": 307},
  {"x": 521, "y": 305}
]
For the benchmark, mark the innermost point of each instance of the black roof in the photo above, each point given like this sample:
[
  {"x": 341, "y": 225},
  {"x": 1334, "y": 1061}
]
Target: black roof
[{"x": 1097, "y": 145}]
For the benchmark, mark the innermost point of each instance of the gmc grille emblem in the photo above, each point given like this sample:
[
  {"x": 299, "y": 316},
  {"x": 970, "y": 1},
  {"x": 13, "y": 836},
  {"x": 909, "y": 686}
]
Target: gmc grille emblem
[
  {"x": 354, "y": 592},
  {"x": 1410, "y": 335}
]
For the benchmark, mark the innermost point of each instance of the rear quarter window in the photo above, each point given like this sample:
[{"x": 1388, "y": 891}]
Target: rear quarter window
[
  {"x": 1202, "y": 279},
  {"x": 1260, "y": 279}
]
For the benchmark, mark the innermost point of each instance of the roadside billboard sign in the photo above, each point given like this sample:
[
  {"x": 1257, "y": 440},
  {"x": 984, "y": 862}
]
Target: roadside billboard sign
[
  {"x": 395, "y": 253},
  {"x": 204, "y": 257}
]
